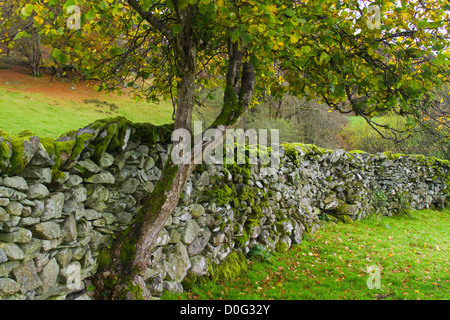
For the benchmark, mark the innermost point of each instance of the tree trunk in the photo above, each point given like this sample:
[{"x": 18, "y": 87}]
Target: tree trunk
[
  {"x": 35, "y": 53},
  {"x": 121, "y": 269}
]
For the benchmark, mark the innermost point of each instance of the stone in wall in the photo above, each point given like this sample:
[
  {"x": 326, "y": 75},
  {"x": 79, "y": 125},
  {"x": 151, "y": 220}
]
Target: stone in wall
[{"x": 71, "y": 197}]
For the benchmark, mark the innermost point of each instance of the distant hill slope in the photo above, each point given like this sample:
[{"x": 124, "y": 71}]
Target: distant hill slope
[{"x": 50, "y": 107}]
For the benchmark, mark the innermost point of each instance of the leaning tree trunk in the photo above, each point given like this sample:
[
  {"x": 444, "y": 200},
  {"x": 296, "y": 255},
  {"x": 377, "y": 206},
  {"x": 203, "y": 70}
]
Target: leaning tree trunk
[{"x": 121, "y": 269}]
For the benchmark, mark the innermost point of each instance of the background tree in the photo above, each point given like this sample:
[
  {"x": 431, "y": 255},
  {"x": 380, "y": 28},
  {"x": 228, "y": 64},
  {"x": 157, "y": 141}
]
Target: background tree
[
  {"x": 38, "y": 33},
  {"x": 322, "y": 49},
  {"x": 297, "y": 120},
  {"x": 430, "y": 137}
]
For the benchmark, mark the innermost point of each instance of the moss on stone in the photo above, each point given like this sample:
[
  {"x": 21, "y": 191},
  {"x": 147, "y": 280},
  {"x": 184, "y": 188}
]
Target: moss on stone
[
  {"x": 149, "y": 134},
  {"x": 48, "y": 144},
  {"x": 241, "y": 240},
  {"x": 281, "y": 246},
  {"x": 17, "y": 160},
  {"x": 100, "y": 145},
  {"x": 190, "y": 280},
  {"x": 230, "y": 268},
  {"x": 247, "y": 194},
  {"x": 4, "y": 134},
  {"x": 357, "y": 151},
  {"x": 223, "y": 193},
  {"x": 344, "y": 218},
  {"x": 311, "y": 150},
  {"x": 5, "y": 151},
  {"x": 57, "y": 176},
  {"x": 103, "y": 258},
  {"x": 291, "y": 150},
  {"x": 393, "y": 156},
  {"x": 118, "y": 139},
  {"x": 63, "y": 150},
  {"x": 80, "y": 144},
  {"x": 257, "y": 211},
  {"x": 247, "y": 174},
  {"x": 132, "y": 291}
]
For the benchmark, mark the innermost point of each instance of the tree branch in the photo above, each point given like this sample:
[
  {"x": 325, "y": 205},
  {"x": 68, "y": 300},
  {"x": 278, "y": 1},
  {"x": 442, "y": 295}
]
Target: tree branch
[
  {"x": 16, "y": 33},
  {"x": 150, "y": 18}
]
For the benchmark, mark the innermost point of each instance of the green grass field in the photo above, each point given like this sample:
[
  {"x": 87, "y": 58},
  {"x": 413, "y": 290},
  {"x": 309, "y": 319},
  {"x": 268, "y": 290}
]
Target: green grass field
[
  {"x": 410, "y": 252},
  {"x": 46, "y": 116},
  {"x": 52, "y": 106}
]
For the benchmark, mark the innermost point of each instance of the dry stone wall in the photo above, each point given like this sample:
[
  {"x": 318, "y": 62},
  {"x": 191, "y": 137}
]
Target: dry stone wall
[{"x": 61, "y": 201}]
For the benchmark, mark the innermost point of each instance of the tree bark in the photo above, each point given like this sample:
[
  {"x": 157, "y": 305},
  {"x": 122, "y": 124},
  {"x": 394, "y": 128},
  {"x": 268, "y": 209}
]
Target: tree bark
[
  {"x": 121, "y": 269},
  {"x": 35, "y": 53}
]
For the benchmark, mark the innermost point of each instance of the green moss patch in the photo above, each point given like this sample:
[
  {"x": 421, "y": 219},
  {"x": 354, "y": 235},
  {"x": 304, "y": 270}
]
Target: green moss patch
[
  {"x": 5, "y": 151},
  {"x": 20, "y": 157},
  {"x": 231, "y": 267}
]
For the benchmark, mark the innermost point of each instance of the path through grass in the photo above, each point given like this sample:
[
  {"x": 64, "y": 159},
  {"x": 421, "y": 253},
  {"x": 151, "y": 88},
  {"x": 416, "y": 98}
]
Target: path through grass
[{"x": 410, "y": 252}]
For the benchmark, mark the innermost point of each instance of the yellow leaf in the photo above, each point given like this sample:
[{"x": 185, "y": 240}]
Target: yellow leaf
[
  {"x": 294, "y": 39},
  {"x": 38, "y": 20},
  {"x": 272, "y": 9}
]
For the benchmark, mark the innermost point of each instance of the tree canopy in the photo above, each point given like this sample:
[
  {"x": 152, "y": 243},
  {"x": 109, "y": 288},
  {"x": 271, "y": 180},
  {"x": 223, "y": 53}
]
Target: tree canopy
[{"x": 353, "y": 55}]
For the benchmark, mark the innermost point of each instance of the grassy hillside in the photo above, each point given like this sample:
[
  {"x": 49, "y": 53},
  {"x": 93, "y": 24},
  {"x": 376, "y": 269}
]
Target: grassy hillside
[{"x": 50, "y": 107}]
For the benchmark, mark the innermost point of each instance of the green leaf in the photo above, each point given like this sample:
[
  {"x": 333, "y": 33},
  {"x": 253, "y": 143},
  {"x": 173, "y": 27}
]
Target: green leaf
[
  {"x": 90, "y": 14},
  {"x": 235, "y": 35},
  {"x": 253, "y": 28},
  {"x": 306, "y": 49},
  {"x": 21, "y": 34},
  {"x": 295, "y": 37},
  {"x": 115, "y": 51},
  {"x": 305, "y": 28},
  {"x": 254, "y": 60},
  {"x": 103, "y": 5},
  {"x": 289, "y": 12},
  {"x": 27, "y": 10},
  {"x": 61, "y": 57},
  {"x": 176, "y": 28},
  {"x": 246, "y": 38},
  {"x": 324, "y": 56},
  {"x": 69, "y": 3},
  {"x": 56, "y": 52}
]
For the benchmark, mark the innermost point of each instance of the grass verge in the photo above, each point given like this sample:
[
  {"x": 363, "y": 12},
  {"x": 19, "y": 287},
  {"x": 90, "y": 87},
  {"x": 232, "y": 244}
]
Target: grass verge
[{"x": 408, "y": 254}]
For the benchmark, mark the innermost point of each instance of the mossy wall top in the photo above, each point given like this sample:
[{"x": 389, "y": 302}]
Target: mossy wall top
[{"x": 62, "y": 200}]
